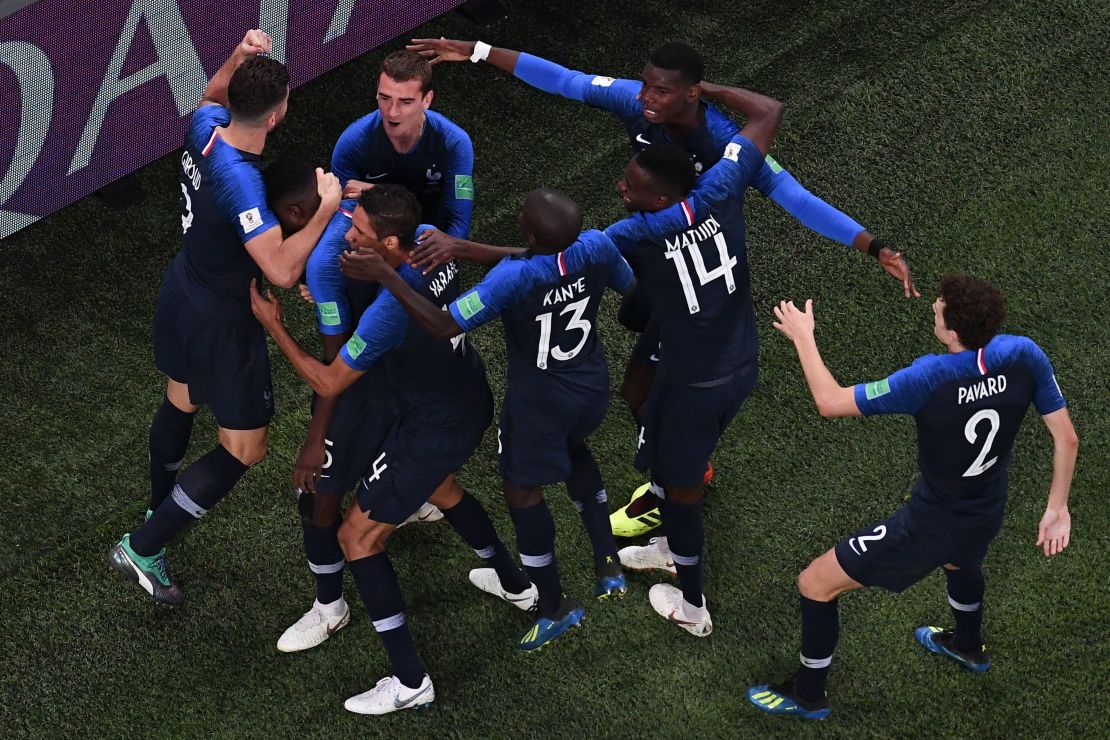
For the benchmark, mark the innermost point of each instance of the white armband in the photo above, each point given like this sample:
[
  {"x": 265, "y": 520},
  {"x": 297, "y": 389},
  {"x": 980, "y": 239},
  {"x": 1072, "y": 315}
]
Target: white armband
[{"x": 481, "y": 51}]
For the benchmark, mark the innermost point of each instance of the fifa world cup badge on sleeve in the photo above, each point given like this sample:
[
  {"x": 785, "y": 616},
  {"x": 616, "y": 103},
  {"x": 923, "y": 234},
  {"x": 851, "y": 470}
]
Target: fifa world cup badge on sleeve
[
  {"x": 250, "y": 220},
  {"x": 732, "y": 151}
]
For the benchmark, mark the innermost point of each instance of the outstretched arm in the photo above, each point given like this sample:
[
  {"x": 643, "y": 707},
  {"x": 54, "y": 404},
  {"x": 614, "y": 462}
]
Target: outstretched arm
[
  {"x": 1054, "y": 532},
  {"x": 832, "y": 398},
  {"x": 254, "y": 42},
  {"x": 435, "y": 248}
]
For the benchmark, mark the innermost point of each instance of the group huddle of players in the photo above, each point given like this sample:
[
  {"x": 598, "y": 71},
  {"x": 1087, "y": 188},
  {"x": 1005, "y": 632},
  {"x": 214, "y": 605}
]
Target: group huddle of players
[{"x": 401, "y": 399}]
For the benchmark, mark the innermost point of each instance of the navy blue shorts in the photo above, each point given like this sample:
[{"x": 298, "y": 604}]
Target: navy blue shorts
[
  {"x": 648, "y": 345},
  {"x": 900, "y": 550},
  {"x": 537, "y": 430},
  {"x": 414, "y": 461},
  {"x": 222, "y": 359},
  {"x": 682, "y": 425},
  {"x": 363, "y": 417}
]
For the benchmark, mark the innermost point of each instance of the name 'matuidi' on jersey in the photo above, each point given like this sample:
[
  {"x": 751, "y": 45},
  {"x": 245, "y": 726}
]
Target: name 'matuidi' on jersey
[
  {"x": 691, "y": 260},
  {"x": 223, "y": 206},
  {"x": 968, "y": 408},
  {"x": 439, "y": 170},
  {"x": 436, "y": 381},
  {"x": 548, "y": 306}
]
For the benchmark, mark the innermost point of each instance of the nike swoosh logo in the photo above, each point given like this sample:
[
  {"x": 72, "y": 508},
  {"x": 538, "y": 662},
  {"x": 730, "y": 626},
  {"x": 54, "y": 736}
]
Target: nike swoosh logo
[
  {"x": 654, "y": 357},
  {"x": 376, "y": 177},
  {"x": 674, "y": 618},
  {"x": 399, "y": 704},
  {"x": 333, "y": 629},
  {"x": 518, "y": 599},
  {"x": 640, "y": 138}
]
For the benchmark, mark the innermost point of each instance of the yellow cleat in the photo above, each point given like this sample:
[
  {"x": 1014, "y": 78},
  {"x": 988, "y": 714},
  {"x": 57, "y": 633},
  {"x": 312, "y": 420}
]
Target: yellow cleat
[{"x": 638, "y": 517}]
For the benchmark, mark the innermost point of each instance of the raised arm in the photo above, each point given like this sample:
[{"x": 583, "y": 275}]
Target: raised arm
[
  {"x": 832, "y": 399},
  {"x": 254, "y": 42},
  {"x": 763, "y": 114}
]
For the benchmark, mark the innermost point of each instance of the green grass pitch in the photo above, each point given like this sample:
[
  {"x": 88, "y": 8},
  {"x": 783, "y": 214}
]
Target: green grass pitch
[{"x": 975, "y": 135}]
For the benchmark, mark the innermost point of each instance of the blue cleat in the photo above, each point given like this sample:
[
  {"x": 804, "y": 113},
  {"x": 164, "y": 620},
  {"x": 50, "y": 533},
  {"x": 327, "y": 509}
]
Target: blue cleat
[
  {"x": 939, "y": 641},
  {"x": 780, "y": 699},
  {"x": 546, "y": 629},
  {"x": 610, "y": 580}
]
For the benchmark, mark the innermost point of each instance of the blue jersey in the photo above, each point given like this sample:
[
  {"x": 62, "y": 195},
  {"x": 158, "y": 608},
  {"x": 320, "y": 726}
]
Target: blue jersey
[
  {"x": 223, "y": 205},
  {"x": 439, "y": 382},
  {"x": 692, "y": 262},
  {"x": 439, "y": 170},
  {"x": 704, "y": 143},
  {"x": 339, "y": 300},
  {"x": 548, "y": 305},
  {"x": 968, "y": 408}
]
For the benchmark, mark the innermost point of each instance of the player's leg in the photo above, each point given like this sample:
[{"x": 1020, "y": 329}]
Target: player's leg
[
  {"x": 685, "y": 542},
  {"x": 408, "y": 687},
  {"x": 587, "y": 490},
  {"x": 169, "y": 438},
  {"x": 964, "y": 644}
]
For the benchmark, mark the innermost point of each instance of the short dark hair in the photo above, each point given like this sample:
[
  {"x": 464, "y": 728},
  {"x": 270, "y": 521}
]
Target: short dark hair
[
  {"x": 973, "y": 308},
  {"x": 393, "y": 211},
  {"x": 408, "y": 65},
  {"x": 670, "y": 166},
  {"x": 289, "y": 179},
  {"x": 256, "y": 88},
  {"x": 681, "y": 58}
]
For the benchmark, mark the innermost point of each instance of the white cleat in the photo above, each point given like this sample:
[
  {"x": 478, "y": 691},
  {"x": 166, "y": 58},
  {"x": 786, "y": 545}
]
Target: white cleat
[
  {"x": 390, "y": 695},
  {"x": 487, "y": 580},
  {"x": 316, "y": 626},
  {"x": 667, "y": 601},
  {"x": 653, "y": 556},
  {"x": 426, "y": 513}
]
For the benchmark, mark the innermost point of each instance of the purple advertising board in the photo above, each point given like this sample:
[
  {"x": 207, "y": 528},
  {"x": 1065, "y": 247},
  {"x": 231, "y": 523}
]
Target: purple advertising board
[{"x": 93, "y": 91}]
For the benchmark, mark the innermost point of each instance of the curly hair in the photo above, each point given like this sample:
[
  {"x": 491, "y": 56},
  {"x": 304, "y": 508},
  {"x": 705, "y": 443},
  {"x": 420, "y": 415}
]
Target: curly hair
[
  {"x": 257, "y": 86},
  {"x": 393, "y": 211},
  {"x": 973, "y": 308}
]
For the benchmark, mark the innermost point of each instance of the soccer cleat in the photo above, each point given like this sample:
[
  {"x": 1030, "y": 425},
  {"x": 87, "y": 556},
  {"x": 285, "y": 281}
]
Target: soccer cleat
[
  {"x": 426, "y": 513},
  {"x": 390, "y": 695},
  {"x": 668, "y": 603},
  {"x": 939, "y": 641},
  {"x": 780, "y": 699},
  {"x": 639, "y": 516},
  {"x": 610, "y": 580},
  {"x": 653, "y": 556},
  {"x": 487, "y": 580},
  {"x": 317, "y": 625},
  {"x": 570, "y": 614},
  {"x": 148, "y": 571}
]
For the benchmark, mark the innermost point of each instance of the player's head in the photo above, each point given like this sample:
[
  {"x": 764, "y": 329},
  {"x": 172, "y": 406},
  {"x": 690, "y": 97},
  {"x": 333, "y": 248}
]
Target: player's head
[
  {"x": 258, "y": 93},
  {"x": 404, "y": 91},
  {"x": 550, "y": 219},
  {"x": 385, "y": 221},
  {"x": 291, "y": 192},
  {"x": 657, "y": 177},
  {"x": 968, "y": 312},
  {"x": 671, "y": 80}
]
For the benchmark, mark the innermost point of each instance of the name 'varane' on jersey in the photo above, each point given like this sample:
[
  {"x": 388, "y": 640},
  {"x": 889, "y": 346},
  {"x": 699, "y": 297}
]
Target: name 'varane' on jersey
[
  {"x": 968, "y": 408},
  {"x": 223, "y": 205}
]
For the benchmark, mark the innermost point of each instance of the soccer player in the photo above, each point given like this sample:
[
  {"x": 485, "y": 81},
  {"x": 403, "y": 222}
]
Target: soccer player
[
  {"x": 445, "y": 406},
  {"x": 404, "y": 142},
  {"x": 206, "y": 342},
  {"x": 667, "y": 106},
  {"x": 968, "y": 405},
  {"x": 557, "y": 391}
]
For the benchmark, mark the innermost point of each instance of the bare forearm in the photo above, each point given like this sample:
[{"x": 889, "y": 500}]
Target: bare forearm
[
  {"x": 324, "y": 408},
  {"x": 487, "y": 254},
  {"x": 821, "y": 382},
  {"x": 440, "y": 323},
  {"x": 764, "y": 114},
  {"x": 1063, "y": 469},
  {"x": 216, "y": 90},
  {"x": 503, "y": 59},
  {"x": 294, "y": 251},
  {"x": 314, "y": 372}
]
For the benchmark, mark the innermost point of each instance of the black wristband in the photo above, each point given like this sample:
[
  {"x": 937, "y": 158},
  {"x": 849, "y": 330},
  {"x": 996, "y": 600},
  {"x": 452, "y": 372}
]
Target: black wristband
[{"x": 876, "y": 247}]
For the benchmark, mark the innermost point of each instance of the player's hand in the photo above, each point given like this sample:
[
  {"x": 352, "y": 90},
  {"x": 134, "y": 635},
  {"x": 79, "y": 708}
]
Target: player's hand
[
  {"x": 310, "y": 462},
  {"x": 793, "y": 323},
  {"x": 894, "y": 263},
  {"x": 365, "y": 265},
  {"x": 354, "y": 188},
  {"x": 442, "y": 50},
  {"x": 255, "y": 42},
  {"x": 266, "y": 308},
  {"x": 306, "y": 294},
  {"x": 327, "y": 185},
  {"x": 435, "y": 248},
  {"x": 1054, "y": 532}
]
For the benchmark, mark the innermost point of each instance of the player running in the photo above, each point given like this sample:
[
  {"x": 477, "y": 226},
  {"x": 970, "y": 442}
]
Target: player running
[
  {"x": 206, "y": 342},
  {"x": 445, "y": 406},
  {"x": 557, "y": 391},
  {"x": 667, "y": 106},
  {"x": 968, "y": 405},
  {"x": 403, "y": 142}
]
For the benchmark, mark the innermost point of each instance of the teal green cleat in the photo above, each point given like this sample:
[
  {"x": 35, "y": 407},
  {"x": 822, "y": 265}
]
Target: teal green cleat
[{"x": 148, "y": 571}]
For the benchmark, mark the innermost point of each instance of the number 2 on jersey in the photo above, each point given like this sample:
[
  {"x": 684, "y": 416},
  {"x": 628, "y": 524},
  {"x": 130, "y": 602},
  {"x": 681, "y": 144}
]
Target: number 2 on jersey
[
  {"x": 576, "y": 322},
  {"x": 704, "y": 277},
  {"x": 979, "y": 466}
]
